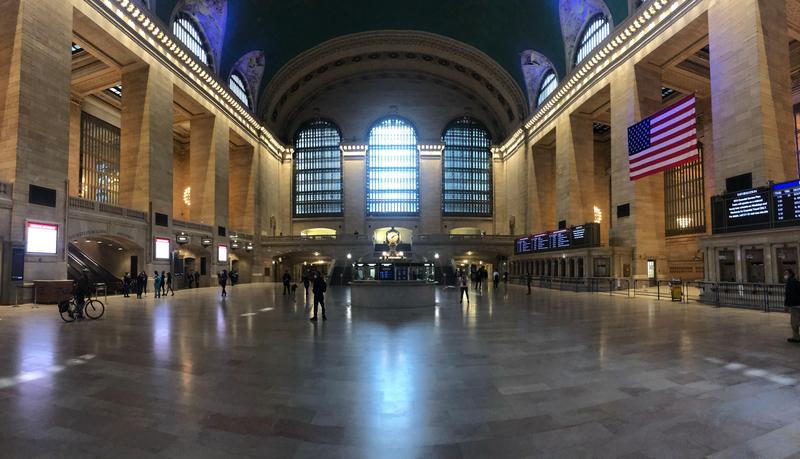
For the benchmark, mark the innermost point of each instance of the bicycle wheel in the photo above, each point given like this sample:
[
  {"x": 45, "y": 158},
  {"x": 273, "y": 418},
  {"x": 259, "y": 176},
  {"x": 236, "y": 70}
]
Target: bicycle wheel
[
  {"x": 65, "y": 315},
  {"x": 94, "y": 309}
]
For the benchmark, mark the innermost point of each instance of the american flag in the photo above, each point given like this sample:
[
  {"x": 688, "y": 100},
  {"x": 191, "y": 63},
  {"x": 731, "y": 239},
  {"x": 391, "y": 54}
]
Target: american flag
[{"x": 664, "y": 140}]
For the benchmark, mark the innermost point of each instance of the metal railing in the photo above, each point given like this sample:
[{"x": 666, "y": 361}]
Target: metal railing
[{"x": 194, "y": 226}]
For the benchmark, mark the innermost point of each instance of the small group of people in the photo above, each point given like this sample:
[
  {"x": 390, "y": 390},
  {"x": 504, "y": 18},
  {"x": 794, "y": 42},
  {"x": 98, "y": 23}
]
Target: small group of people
[
  {"x": 193, "y": 279},
  {"x": 162, "y": 284},
  {"x": 314, "y": 280}
]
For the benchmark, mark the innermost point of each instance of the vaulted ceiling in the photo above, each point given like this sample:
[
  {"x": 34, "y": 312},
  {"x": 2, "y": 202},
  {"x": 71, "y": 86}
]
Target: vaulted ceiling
[{"x": 285, "y": 28}]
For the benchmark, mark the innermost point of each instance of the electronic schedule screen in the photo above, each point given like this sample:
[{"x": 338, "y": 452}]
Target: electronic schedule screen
[
  {"x": 757, "y": 208},
  {"x": 581, "y": 236},
  {"x": 786, "y": 203}
]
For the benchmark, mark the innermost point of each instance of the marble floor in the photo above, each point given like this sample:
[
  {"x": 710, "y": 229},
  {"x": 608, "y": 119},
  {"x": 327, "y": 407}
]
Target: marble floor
[{"x": 553, "y": 374}]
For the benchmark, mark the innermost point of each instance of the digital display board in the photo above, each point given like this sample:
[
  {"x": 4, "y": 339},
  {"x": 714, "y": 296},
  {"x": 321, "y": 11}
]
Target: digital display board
[
  {"x": 41, "y": 238},
  {"x": 162, "y": 248},
  {"x": 581, "y": 236},
  {"x": 222, "y": 253},
  {"x": 786, "y": 203},
  {"x": 757, "y": 208}
]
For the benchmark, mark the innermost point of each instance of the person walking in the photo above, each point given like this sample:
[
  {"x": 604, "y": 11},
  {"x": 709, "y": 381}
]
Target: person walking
[
  {"x": 223, "y": 281},
  {"x": 496, "y": 279},
  {"x": 163, "y": 283},
  {"x": 529, "y": 279},
  {"x": 144, "y": 287},
  {"x": 319, "y": 289},
  {"x": 306, "y": 282},
  {"x": 157, "y": 281},
  {"x": 126, "y": 285},
  {"x": 139, "y": 285},
  {"x": 197, "y": 279},
  {"x": 791, "y": 304},
  {"x": 287, "y": 279},
  {"x": 463, "y": 283},
  {"x": 169, "y": 284}
]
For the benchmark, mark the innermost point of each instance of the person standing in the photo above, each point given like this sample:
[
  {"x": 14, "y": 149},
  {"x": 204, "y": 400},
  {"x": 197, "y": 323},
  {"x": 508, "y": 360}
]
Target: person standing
[
  {"x": 157, "y": 281},
  {"x": 144, "y": 287},
  {"x": 197, "y": 279},
  {"x": 223, "y": 281},
  {"x": 163, "y": 283},
  {"x": 791, "y": 304},
  {"x": 139, "y": 285},
  {"x": 463, "y": 283},
  {"x": 287, "y": 279},
  {"x": 505, "y": 279},
  {"x": 319, "y": 289},
  {"x": 126, "y": 285},
  {"x": 169, "y": 284},
  {"x": 306, "y": 282},
  {"x": 529, "y": 279},
  {"x": 190, "y": 280},
  {"x": 82, "y": 290},
  {"x": 496, "y": 279}
]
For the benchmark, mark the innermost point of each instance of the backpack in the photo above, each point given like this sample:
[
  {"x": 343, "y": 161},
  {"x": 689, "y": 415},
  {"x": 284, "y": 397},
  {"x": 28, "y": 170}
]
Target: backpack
[{"x": 63, "y": 306}]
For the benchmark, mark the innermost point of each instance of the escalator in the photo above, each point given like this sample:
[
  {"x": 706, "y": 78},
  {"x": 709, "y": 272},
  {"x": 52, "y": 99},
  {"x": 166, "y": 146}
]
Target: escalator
[{"x": 77, "y": 262}]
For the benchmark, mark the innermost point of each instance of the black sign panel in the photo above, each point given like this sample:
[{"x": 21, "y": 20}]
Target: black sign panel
[
  {"x": 741, "y": 211},
  {"x": 580, "y": 236}
]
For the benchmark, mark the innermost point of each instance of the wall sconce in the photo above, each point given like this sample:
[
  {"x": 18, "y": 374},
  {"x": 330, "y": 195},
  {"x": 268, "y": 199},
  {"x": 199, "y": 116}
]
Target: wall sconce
[
  {"x": 206, "y": 242},
  {"x": 249, "y": 247},
  {"x": 234, "y": 244},
  {"x": 182, "y": 238}
]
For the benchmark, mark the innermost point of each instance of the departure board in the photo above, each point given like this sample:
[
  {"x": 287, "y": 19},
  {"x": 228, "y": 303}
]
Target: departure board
[
  {"x": 741, "y": 211},
  {"x": 581, "y": 236},
  {"x": 786, "y": 203}
]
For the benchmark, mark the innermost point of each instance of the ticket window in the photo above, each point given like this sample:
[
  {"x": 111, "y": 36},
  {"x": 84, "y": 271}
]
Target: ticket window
[
  {"x": 754, "y": 266},
  {"x": 571, "y": 267},
  {"x": 727, "y": 266},
  {"x": 785, "y": 258},
  {"x": 580, "y": 267}
]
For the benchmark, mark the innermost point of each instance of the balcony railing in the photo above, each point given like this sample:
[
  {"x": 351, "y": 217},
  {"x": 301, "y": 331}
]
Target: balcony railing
[
  {"x": 192, "y": 226},
  {"x": 101, "y": 207}
]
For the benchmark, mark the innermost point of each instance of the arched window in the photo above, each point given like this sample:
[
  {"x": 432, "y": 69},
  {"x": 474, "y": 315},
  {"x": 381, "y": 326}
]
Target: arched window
[
  {"x": 597, "y": 29},
  {"x": 317, "y": 170},
  {"x": 392, "y": 168},
  {"x": 549, "y": 84},
  {"x": 189, "y": 34},
  {"x": 237, "y": 85},
  {"x": 467, "y": 170}
]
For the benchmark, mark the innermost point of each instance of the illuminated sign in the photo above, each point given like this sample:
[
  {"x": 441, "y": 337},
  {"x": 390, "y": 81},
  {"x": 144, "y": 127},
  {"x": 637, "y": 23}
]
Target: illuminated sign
[
  {"x": 41, "y": 238},
  {"x": 222, "y": 253},
  {"x": 580, "y": 236},
  {"x": 162, "y": 248},
  {"x": 757, "y": 208}
]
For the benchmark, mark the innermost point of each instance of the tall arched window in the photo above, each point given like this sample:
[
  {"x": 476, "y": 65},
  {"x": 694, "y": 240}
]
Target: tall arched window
[
  {"x": 317, "y": 170},
  {"x": 189, "y": 34},
  {"x": 467, "y": 170},
  {"x": 548, "y": 85},
  {"x": 597, "y": 29},
  {"x": 392, "y": 168},
  {"x": 239, "y": 88}
]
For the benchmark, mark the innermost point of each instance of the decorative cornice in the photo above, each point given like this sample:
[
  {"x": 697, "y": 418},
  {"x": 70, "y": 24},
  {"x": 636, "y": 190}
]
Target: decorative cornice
[
  {"x": 146, "y": 30},
  {"x": 625, "y": 40}
]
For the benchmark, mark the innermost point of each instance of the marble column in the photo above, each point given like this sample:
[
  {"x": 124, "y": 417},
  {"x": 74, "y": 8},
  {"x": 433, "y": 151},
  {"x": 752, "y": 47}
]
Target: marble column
[
  {"x": 751, "y": 94},
  {"x": 574, "y": 185},
  {"x": 636, "y": 94}
]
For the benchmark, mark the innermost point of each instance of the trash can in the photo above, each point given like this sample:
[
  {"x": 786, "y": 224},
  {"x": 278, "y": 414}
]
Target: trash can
[{"x": 676, "y": 290}]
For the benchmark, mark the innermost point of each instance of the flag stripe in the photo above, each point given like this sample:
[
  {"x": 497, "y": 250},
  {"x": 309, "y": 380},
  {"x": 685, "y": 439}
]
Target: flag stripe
[
  {"x": 684, "y": 159},
  {"x": 676, "y": 142},
  {"x": 679, "y": 118},
  {"x": 663, "y": 111},
  {"x": 664, "y": 157},
  {"x": 689, "y": 125},
  {"x": 672, "y": 114}
]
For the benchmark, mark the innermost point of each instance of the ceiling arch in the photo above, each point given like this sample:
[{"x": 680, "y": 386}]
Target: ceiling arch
[{"x": 409, "y": 55}]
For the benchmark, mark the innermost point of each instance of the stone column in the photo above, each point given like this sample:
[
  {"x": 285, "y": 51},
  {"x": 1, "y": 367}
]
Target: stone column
[
  {"x": 354, "y": 175},
  {"x": 74, "y": 173},
  {"x": 430, "y": 188},
  {"x": 543, "y": 182},
  {"x": 574, "y": 169},
  {"x": 146, "y": 146},
  {"x": 751, "y": 94},
  {"x": 636, "y": 94},
  {"x": 500, "y": 192},
  {"x": 242, "y": 186},
  {"x": 35, "y": 72},
  {"x": 208, "y": 169}
]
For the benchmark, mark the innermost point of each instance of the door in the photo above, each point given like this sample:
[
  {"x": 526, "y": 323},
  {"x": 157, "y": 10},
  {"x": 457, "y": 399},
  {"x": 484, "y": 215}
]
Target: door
[{"x": 134, "y": 265}]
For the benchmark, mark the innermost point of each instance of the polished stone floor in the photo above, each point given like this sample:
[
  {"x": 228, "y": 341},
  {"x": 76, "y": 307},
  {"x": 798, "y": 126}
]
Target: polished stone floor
[{"x": 553, "y": 374}]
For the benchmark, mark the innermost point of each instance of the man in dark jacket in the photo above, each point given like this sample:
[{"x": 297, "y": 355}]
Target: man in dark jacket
[
  {"x": 82, "y": 290},
  {"x": 287, "y": 279},
  {"x": 126, "y": 285},
  {"x": 792, "y": 303},
  {"x": 319, "y": 289}
]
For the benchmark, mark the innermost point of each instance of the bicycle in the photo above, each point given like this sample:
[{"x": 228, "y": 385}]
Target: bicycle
[{"x": 92, "y": 308}]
